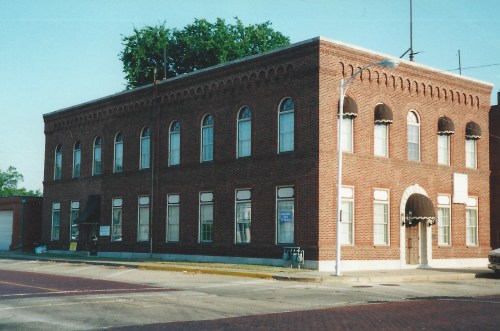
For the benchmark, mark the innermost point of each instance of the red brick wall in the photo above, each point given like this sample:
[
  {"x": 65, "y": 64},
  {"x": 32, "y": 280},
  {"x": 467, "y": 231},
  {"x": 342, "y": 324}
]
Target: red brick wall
[{"x": 31, "y": 224}]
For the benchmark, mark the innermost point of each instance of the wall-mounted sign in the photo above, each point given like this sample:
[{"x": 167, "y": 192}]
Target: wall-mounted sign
[{"x": 104, "y": 231}]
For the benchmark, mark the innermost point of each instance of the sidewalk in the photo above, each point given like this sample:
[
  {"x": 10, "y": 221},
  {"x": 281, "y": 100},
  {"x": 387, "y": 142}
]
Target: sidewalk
[{"x": 278, "y": 273}]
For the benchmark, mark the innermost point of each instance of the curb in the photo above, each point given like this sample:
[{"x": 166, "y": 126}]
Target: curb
[{"x": 207, "y": 271}]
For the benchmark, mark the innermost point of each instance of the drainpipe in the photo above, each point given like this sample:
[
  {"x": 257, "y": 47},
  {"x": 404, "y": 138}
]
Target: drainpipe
[{"x": 21, "y": 232}]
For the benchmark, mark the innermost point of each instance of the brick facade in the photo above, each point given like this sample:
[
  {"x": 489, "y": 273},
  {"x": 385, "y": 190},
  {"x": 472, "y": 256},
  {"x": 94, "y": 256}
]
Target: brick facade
[{"x": 309, "y": 73}]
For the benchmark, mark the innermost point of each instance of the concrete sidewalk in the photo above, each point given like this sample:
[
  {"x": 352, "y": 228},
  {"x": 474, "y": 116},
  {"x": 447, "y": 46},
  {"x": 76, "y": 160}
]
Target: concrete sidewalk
[{"x": 278, "y": 273}]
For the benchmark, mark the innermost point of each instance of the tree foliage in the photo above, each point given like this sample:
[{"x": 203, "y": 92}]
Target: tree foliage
[
  {"x": 9, "y": 181},
  {"x": 197, "y": 46}
]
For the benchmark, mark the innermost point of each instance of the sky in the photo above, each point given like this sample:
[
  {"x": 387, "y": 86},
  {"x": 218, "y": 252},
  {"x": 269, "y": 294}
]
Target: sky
[{"x": 60, "y": 53}]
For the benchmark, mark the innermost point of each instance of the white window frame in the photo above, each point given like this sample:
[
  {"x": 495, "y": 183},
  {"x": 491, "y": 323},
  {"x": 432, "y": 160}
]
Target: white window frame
[
  {"x": 206, "y": 199},
  {"x": 381, "y": 197},
  {"x": 118, "y": 166},
  {"x": 472, "y": 230},
  {"x": 174, "y": 144},
  {"x": 73, "y": 216},
  {"x": 379, "y": 142},
  {"x": 285, "y": 195},
  {"x": 444, "y": 224},
  {"x": 347, "y": 134},
  {"x": 173, "y": 201},
  {"x": 58, "y": 162},
  {"x": 243, "y": 225},
  {"x": 143, "y": 231},
  {"x": 286, "y": 140},
  {"x": 347, "y": 221},
  {"x": 77, "y": 159},
  {"x": 207, "y": 139},
  {"x": 117, "y": 227},
  {"x": 55, "y": 229},
  {"x": 145, "y": 149},
  {"x": 471, "y": 153},
  {"x": 443, "y": 143},
  {"x": 414, "y": 125},
  {"x": 97, "y": 157},
  {"x": 242, "y": 150}
]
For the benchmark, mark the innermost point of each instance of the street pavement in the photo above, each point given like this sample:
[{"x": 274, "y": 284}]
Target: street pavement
[{"x": 285, "y": 274}]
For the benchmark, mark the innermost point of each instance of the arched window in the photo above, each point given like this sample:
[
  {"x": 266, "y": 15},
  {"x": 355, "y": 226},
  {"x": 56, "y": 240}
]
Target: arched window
[
  {"x": 383, "y": 117},
  {"x": 58, "y": 162},
  {"x": 145, "y": 149},
  {"x": 472, "y": 135},
  {"x": 174, "y": 144},
  {"x": 446, "y": 128},
  {"x": 244, "y": 132},
  {"x": 77, "y": 159},
  {"x": 286, "y": 126},
  {"x": 413, "y": 135},
  {"x": 118, "y": 160},
  {"x": 207, "y": 138},
  {"x": 350, "y": 111},
  {"x": 96, "y": 163}
]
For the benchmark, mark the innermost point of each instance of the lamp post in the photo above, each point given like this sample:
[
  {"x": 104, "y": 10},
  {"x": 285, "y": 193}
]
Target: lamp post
[{"x": 344, "y": 85}]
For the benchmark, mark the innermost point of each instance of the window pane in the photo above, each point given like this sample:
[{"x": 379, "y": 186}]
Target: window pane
[
  {"x": 381, "y": 229},
  {"x": 443, "y": 149},
  {"x": 244, "y": 138},
  {"x": 206, "y": 221},
  {"x": 143, "y": 231},
  {"x": 58, "y": 165},
  {"x": 443, "y": 226},
  {"x": 470, "y": 153},
  {"x": 413, "y": 143},
  {"x": 77, "y": 158},
  {"x": 117, "y": 224},
  {"x": 175, "y": 148},
  {"x": 56, "y": 221},
  {"x": 380, "y": 139},
  {"x": 286, "y": 135},
  {"x": 346, "y": 226},
  {"x": 285, "y": 219},
  {"x": 243, "y": 221},
  {"x": 173, "y": 223},
  {"x": 347, "y": 144},
  {"x": 118, "y": 157},
  {"x": 208, "y": 143},
  {"x": 145, "y": 152},
  {"x": 471, "y": 220},
  {"x": 97, "y": 160}
]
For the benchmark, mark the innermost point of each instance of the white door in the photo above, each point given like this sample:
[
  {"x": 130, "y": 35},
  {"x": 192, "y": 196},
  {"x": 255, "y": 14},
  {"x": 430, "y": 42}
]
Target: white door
[{"x": 6, "y": 220}]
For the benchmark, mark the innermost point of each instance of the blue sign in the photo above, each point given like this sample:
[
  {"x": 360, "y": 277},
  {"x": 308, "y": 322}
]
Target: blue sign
[{"x": 285, "y": 216}]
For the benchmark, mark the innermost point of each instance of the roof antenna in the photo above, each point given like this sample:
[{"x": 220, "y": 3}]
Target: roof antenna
[{"x": 412, "y": 53}]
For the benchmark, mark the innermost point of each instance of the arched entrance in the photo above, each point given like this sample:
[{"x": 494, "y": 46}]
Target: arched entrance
[{"x": 417, "y": 212}]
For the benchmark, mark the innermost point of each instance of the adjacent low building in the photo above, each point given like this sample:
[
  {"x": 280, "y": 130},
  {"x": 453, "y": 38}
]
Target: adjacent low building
[
  {"x": 238, "y": 162},
  {"x": 20, "y": 223}
]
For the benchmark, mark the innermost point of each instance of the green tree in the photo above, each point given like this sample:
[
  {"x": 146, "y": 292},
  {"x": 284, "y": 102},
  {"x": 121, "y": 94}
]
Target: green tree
[
  {"x": 199, "y": 45},
  {"x": 9, "y": 181}
]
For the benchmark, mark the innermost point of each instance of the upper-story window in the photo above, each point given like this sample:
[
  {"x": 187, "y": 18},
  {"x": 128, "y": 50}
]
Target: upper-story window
[
  {"x": 350, "y": 111},
  {"x": 207, "y": 138},
  {"x": 145, "y": 149},
  {"x": 118, "y": 159},
  {"x": 96, "y": 163},
  {"x": 472, "y": 135},
  {"x": 77, "y": 159},
  {"x": 446, "y": 128},
  {"x": 174, "y": 144},
  {"x": 244, "y": 132},
  {"x": 286, "y": 126},
  {"x": 58, "y": 162},
  {"x": 413, "y": 131},
  {"x": 383, "y": 118}
]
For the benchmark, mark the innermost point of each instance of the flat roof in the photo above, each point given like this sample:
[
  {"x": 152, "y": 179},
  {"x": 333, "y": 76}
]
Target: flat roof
[{"x": 276, "y": 50}]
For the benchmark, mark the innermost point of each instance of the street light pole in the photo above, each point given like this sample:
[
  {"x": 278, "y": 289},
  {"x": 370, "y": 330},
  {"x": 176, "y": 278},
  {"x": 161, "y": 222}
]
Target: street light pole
[{"x": 344, "y": 85}]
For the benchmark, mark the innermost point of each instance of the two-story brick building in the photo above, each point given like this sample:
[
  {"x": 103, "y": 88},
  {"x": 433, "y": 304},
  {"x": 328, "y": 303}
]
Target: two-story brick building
[{"x": 235, "y": 162}]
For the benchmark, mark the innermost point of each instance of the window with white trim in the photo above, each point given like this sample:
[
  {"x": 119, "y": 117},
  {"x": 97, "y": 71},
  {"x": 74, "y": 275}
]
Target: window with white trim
[
  {"x": 73, "y": 226},
  {"x": 244, "y": 128},
  {"x": 117, "y": 215},
  {"x": 58, "y": 162},
  {"x": 143, "y": 219},
  {"x": 285, "y": 215},
  {"x": 347, "y": 220},
  {"x": 96, "y": 162},
  {"x": 471, "y": 153},
  {"x": 381, "y": 139},
  {"x": 174, "y": 144},
  {"x": 413, "y": 135},
  {"x": 145, "y": 149},
  {"x": 206, "y": 216},
  {"x": 443, "y": 149},
  {"x": 173, "y": 217},
  {"x": 77, "y": 159},
  {"x": 207, "y": 138},
  {"x": 118, "y": 157},
  {"x": 444, "y": 219},
  {"x": 381, "y": 217},
  {"x": 471, "y": 222},
  {"x": 286, "y": 126},
  {"x": 347, "y": 134},
  {"x": 243, "y": 216},
  {"x": 56, "y": 221}
]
